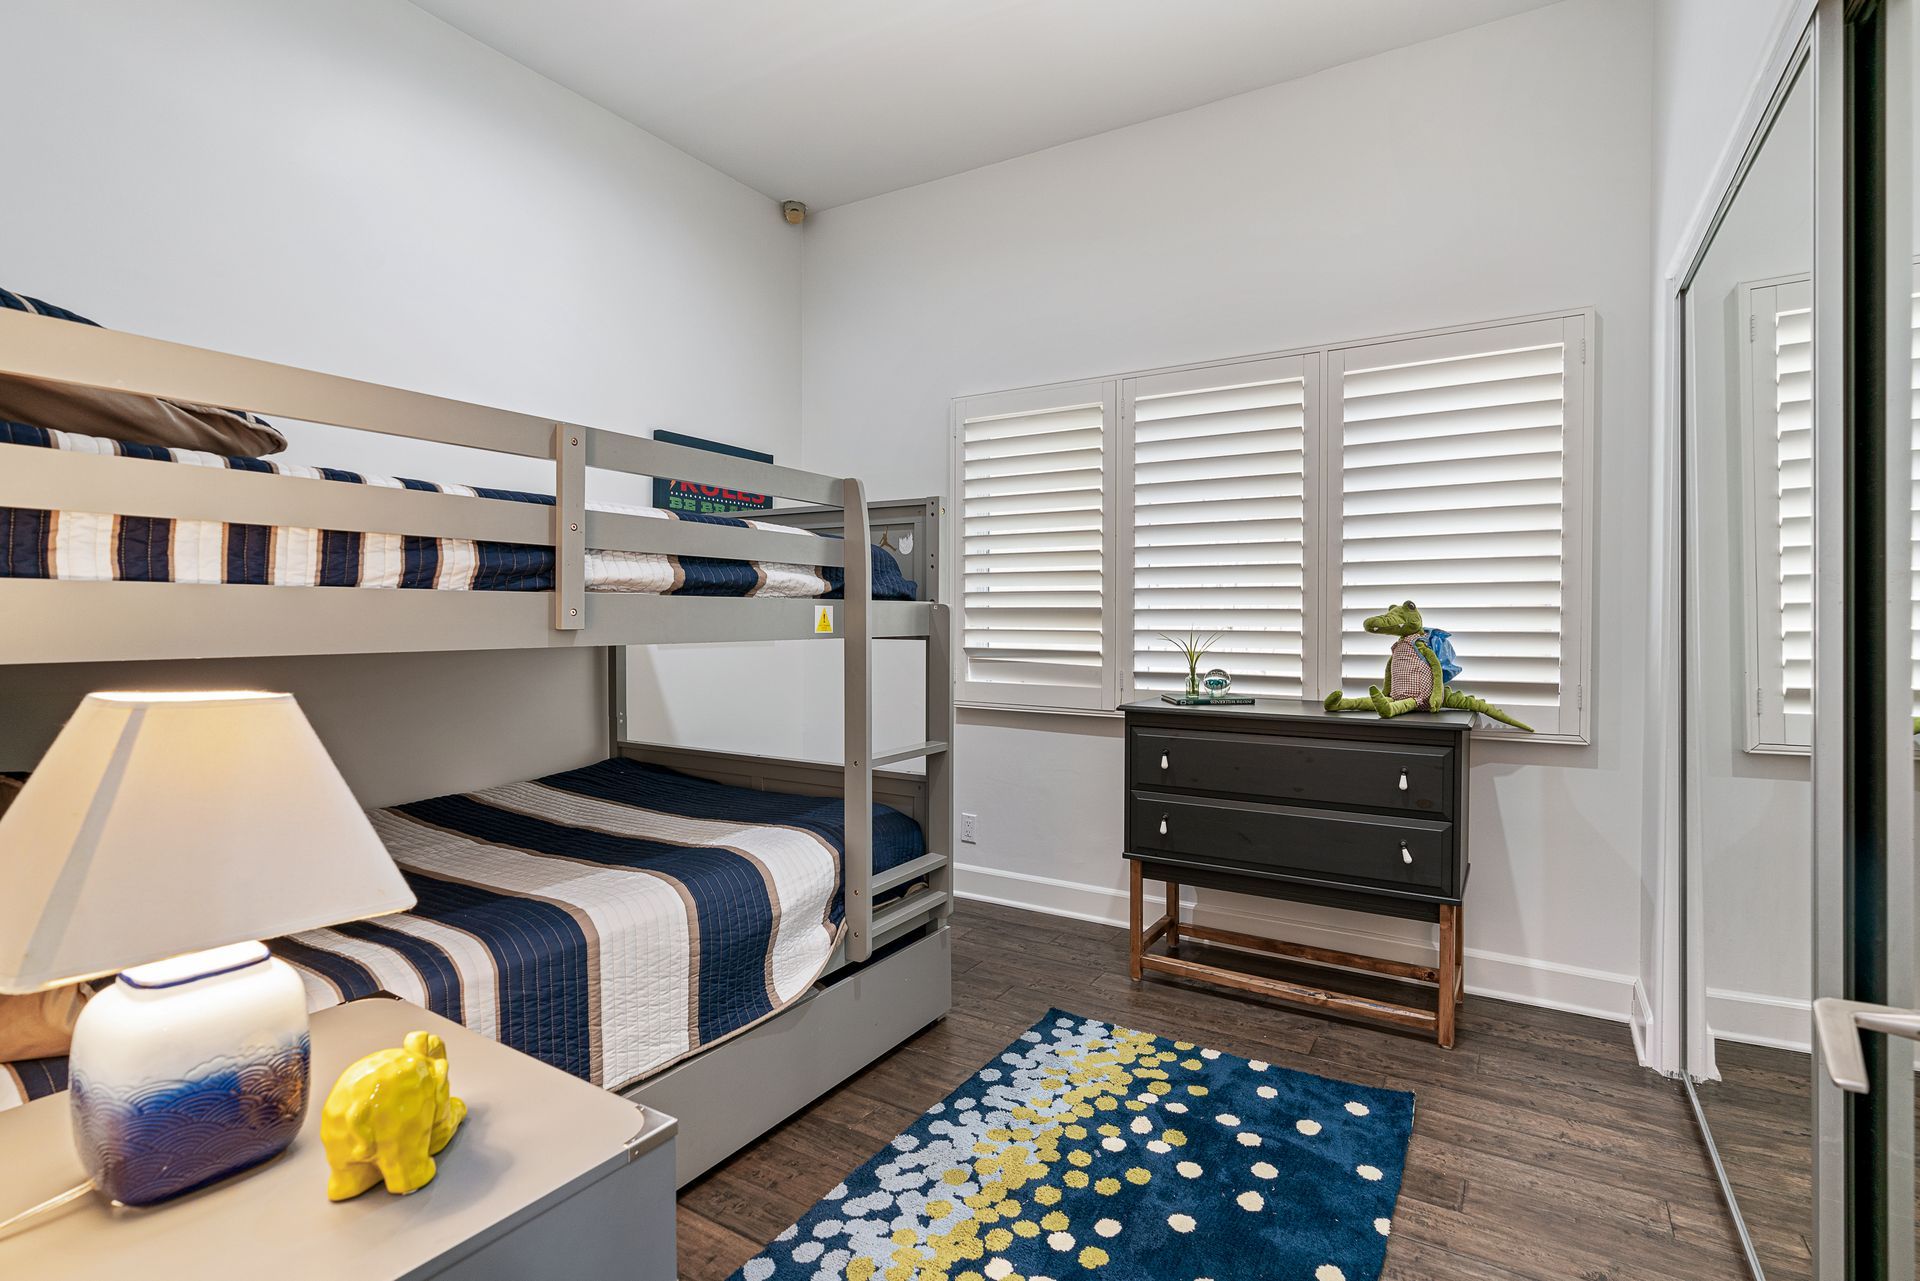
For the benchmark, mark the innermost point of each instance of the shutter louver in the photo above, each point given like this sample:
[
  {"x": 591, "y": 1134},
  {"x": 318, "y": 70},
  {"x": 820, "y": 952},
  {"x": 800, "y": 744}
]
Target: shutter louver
[
  {"x": 1451, "y": 481},
  {"x": 1793, "y": 505},
  {"x": 1033, "y": 559},
  {"x": 1219, "y": 520}
]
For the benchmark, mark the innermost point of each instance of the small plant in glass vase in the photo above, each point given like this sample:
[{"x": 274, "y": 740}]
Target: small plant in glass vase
[{"x": 1193, "y": 647}]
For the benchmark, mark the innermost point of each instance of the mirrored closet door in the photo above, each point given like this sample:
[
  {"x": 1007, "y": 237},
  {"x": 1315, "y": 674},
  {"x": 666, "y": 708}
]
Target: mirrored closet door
[
  {"x": 1749, "y": 342},
  {"x": 1801, "y": 517}
]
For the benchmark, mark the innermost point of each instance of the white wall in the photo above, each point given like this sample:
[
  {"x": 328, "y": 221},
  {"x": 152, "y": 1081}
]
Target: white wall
[
  {"x": 356, "y": 187},
  {"x": 1497, "y": 172},
  {"x": 1708, "y": 57}
]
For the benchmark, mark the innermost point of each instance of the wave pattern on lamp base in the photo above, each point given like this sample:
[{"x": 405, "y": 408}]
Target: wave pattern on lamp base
[{"x": 148, "y": 1141}]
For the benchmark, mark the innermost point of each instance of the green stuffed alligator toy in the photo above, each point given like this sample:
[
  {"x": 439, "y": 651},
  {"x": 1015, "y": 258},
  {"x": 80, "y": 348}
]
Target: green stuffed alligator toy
[{"x": 1418, "y": 670}]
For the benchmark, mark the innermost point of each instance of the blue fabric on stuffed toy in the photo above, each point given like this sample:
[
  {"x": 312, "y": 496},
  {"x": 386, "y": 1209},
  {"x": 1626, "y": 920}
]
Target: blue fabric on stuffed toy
[{"x": 1441, "y": 643}]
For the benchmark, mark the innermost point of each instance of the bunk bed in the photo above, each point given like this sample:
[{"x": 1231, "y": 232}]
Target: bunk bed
[{"x": 844, "y": 907}]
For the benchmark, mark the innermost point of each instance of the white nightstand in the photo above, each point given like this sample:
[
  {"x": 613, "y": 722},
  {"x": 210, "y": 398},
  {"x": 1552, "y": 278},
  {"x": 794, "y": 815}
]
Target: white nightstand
[{"x": 548, "y": 1176}]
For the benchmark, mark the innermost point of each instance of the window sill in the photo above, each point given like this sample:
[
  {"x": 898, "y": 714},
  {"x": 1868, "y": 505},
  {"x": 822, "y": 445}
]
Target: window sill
[
  {"x": 1481, "y": 735},
  {"x": 968, "y": 705}
]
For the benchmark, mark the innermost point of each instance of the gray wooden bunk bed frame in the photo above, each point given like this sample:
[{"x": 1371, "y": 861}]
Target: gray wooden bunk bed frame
[{"x": 890, "y": 974}]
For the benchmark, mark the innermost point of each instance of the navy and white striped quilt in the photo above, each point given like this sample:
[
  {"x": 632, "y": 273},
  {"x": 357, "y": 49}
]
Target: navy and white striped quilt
[
  {"x": 102, "y": 546},
  {"x": 29, "y": 1079},
  {"x": 609, "y": 920}
]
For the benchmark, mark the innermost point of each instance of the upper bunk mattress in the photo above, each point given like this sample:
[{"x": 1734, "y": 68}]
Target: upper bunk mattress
[
  {"x": 103, "y": 547},
  {"x": 610, "y": 920}
]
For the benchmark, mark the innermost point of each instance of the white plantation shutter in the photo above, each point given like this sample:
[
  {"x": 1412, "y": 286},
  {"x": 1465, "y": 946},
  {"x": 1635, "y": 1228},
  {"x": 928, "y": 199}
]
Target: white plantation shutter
[
  {"x": 1279, "y": 500},
  {"x": 1219, "y": 519},
  {"x": 1033, "y": 536},
  {"x": 1780, "y": 436},
  {"x": 1455, "y": 488},
  {"x": 1779, "y": 443}
]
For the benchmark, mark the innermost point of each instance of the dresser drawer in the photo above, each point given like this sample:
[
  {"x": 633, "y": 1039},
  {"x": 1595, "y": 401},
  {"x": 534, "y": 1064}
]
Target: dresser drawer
[
  {"x": 1329, "y": 771},
  {"x": 1387, "y": 850}
]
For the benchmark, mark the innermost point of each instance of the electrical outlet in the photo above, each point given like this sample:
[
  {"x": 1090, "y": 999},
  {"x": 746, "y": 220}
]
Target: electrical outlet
[{"x": 969, "y": 828}]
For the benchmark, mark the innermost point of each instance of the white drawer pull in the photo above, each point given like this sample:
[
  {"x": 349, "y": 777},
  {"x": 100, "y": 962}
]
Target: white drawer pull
[
  {"x": 1403, "y": 780},
  {"x": 1163, "y": 825},
  {"x": 1163, "y": 760},
  {"x": 1406, "y": 855}
]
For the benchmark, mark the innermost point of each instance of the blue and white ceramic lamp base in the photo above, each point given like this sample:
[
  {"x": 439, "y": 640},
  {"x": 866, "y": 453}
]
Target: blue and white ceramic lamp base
[{"x": 189, "y": 1070}]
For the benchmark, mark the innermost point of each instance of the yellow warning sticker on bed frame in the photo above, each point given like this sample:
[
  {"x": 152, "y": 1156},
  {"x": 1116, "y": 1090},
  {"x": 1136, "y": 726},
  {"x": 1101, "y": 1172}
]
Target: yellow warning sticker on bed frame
[{"x": 823, "y": 620}]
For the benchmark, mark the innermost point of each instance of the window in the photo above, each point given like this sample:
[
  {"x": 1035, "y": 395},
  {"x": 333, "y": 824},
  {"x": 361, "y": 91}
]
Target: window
[
  {"x": 1033, "y": 531},
  {"x": 1278, "y": 501},
  {"x": 1454, "y": 492},
  {"x": 1777, "y": 402},
  {"x": 1219, "y": 522},
  {"x": 1778, "y": 399}
]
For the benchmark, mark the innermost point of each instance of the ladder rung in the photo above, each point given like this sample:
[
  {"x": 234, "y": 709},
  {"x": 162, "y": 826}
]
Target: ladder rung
[
  {"x": 911, "y": 870},
  {"x": 909, "y": 753},
  {"x": 907, "y": 909}
]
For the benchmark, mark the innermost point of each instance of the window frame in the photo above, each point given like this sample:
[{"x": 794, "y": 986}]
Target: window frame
[
  {"x": 1322, "y": 582},
  {"x": 1033, "y": 696},
  {"x": 1576, "y": 526},
  {"x": 1770, "y": 729},
  {"x": 1303, "y": 365}
]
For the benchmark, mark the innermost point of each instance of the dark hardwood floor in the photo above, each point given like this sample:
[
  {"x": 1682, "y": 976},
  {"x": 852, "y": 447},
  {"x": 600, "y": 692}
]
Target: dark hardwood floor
[
  {"x": 1540, "y": 1148},
  {"x": 1761, "y": 1111}
]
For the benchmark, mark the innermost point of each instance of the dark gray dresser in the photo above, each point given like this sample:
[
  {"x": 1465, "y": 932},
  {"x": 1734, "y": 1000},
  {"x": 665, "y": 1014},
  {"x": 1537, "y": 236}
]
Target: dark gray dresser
[{"x": 1286, "y": 800}]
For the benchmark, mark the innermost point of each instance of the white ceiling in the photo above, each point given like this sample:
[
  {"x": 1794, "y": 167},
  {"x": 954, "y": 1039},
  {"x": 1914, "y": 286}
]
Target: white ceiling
[{"x": 830, "y": 101}]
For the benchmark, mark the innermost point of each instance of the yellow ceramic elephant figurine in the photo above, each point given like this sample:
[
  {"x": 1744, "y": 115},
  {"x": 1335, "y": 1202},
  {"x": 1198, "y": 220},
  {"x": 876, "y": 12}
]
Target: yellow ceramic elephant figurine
[{"x": 386, "y": 1118}]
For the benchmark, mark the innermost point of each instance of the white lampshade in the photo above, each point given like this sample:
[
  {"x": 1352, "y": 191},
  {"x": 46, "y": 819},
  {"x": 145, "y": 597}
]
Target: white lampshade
[{"x": 162, "y": 823}]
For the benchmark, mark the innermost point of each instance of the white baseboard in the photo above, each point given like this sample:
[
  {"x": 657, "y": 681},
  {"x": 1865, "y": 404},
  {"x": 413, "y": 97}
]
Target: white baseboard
[
  {"x": 1754, "y": 1018},
  {"x": 1640, "y": 1019},
  {"x": 1527, "y": 980}
]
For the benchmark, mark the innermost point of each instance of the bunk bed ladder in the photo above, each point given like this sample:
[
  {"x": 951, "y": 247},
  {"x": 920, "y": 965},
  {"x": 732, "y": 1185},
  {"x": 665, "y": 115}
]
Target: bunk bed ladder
[
  {"x": 940, "y": 729},
  {"x": 569, "y": 527},
  {"x": 857, "y": 678}
]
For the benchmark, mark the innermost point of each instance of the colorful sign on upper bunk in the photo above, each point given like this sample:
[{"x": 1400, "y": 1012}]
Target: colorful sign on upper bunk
[{"x": 707, "y": 500}]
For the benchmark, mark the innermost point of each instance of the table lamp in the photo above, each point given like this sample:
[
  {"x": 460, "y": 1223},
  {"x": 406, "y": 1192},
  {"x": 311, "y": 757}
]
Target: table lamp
[{"x": 162, "y": 836}]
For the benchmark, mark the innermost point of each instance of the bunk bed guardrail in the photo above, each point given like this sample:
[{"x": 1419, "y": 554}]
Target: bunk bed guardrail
[{"x": 61, "y": 621}]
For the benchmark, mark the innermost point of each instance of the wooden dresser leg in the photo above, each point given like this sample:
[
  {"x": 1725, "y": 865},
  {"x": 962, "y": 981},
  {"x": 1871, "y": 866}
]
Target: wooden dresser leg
[
  {"x": 1449, "y": 984},
  {"x": 1136, "y": 925},
  {"x": 1460, "y": 957},
  {"x": 1173, "y": 916}
]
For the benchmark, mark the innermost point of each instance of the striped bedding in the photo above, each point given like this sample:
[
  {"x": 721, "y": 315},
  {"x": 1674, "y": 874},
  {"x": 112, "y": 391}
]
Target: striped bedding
[
  {"x": 610, "y": 920},
  {"x": 101, "y": 546}
]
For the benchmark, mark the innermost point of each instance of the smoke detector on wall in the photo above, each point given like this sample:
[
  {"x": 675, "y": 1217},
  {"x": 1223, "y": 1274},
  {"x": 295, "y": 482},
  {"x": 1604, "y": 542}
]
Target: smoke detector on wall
[{"x": 796, "y": 213}]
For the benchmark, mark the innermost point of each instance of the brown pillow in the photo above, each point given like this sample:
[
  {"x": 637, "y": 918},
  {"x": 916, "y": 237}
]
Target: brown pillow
[
  {"x": 143, "y": 420},
  {"x": 39, "y": 1025},
  {"x": 125, "y": 415}
]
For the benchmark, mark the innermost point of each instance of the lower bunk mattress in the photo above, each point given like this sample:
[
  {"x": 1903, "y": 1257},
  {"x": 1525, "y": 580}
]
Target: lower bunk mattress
[
  {"x": 104, "y": 547},
  {"x": 610, "y": 920}
]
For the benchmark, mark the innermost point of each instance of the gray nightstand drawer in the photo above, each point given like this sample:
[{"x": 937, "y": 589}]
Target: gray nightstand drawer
[
  {"x": 1345, "y": 847},
  {"x": 1312, "y": 770}
]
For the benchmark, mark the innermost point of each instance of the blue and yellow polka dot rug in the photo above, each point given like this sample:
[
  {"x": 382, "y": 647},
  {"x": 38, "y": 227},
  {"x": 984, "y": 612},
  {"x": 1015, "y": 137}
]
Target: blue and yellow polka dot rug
[{"x": 1097, "y": 1152}]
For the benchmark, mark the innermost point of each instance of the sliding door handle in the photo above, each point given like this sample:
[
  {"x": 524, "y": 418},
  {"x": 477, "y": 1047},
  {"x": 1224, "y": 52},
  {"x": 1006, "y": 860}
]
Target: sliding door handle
[{"x": 1839, "y": 1024}]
